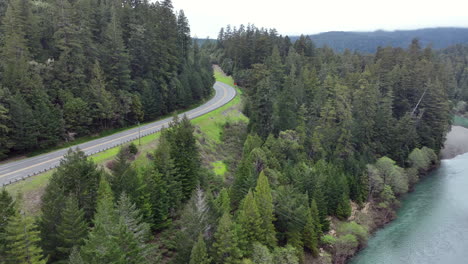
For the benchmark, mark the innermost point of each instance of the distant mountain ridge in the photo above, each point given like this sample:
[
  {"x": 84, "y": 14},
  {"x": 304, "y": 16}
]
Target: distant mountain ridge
[{"x": 368, "y": 42}]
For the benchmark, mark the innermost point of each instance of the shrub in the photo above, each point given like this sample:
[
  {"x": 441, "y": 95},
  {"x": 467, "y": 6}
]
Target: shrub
[{"x": 132, "y": 148}]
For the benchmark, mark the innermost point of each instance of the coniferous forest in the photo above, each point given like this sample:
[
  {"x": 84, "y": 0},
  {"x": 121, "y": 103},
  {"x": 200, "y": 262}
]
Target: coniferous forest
[
  {"x": 329, "y": 135},
  {"x": 75, "y": 68}
]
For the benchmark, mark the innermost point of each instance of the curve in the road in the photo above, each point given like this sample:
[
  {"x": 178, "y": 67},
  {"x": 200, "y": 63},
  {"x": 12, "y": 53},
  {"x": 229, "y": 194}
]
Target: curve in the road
[{"x": 19, "y": 170}]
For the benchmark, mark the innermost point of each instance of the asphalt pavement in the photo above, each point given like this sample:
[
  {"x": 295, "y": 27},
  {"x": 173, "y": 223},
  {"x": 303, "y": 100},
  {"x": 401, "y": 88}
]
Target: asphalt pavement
[{"x": 21, "y": 169}]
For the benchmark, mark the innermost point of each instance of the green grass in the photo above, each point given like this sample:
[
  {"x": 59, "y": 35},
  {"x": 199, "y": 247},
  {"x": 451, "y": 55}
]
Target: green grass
[
  {"x": 460, "y": 121},
  {"x": 30, "y": 184},
  {"x": 219, "y": 167},
  {"x": 221, "y": 77}
]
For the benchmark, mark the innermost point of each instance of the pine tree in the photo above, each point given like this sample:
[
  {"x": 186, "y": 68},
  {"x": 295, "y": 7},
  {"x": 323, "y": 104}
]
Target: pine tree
[
  {"x": 75, "y": 257},
  {"x": 134, "y": 233},
  {"x": 184, "y": 151},
  {"x": 199, "y": 254},
  {"x": 53, "y": 203},
  {"x": 100, "y": 100},
  {"x": 262, "y": 108},
  {"x": 5, "y": 127},
  {"x": 15, "y": 51},
  {"x": 225, "y": 247},
  {"x": 316, "y": 218},
  {"x": 72, "y": 229},
  {"x": 24, "y": 131},
  {"x": 69, "y": 70},
  {"x": 124, "y": 176},
  {"x": 79, "y": 176},
  {"x": 131, "y": 217},
  {"x": 101, "y": 245},
  {"x": 159, "y": 199},
  {"x": 264, "y": 201},
  {"x": 311, "y": 229},
  {"x": 22, "y": 240},
  {"x": 116, "y": 59},
  {"x": 343, "y": 211},
  {"x": 195, "y": 218},
  {"x": 183, "y": 35},
  {"x": 243, "y": 180},
  {"x": 222, "y": 202},
  {"x": 164, "y": 164},
  {"x": 117, "y": 234},
  {"x": 250, "y": 223},
  {"x": 7, "y": 211}
]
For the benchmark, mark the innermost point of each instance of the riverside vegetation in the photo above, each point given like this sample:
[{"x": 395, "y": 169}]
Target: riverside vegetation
[{"x": 333, "y": 140}]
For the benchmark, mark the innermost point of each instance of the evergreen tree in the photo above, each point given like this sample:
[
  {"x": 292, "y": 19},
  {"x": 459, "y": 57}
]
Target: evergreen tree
[
  {"x": 22, "y": 240},
  {"x": 264, "y": 201},
  {"x": 262, "y": 108},
  {"x": 250, "y": 223},
  {"x": 75, "y": 257},
  {"x": 124, "y": 176},
  {"x": 79, "y": 176},
  {"x": 131, "y": 217},
  {"x": 164, "y": 164},
  {"x": 118, "y": 235},
  {"x": 225, "y": 247},
  {"x": 15, "y": 51},
  {"x": 199, "y": 254},
  {"x": 343, "y": 211},
  {"x": 116, "y": 59},
  {"x": 311, "y": 230},
  {"x": 185, "y": 154},
  {"x": 7, "y": 211},
  {"x": 243, "y": 180},
  {"x": 100, "y": 100},
  {"x": 72, "y": 229},
  {"x": 53, "y": 203},
  {"x": 159, "y": 199},
  {"x": 5, "y": 140},
  {"x": 24, "y": 132},
  {"x": 101, "y": 245},
  {"x": 183, "y": 35},
  {"x": 195, "y": 219}
]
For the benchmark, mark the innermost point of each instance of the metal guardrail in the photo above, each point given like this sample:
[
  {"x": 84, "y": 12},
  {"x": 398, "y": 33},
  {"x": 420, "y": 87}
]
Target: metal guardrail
[{"x": 23, "y": 178}]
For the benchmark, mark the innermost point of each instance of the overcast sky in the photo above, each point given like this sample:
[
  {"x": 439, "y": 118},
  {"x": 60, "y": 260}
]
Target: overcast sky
[{"x": 292, "y": 17}]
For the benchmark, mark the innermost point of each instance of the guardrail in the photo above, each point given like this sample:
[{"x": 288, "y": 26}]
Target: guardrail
[{"x": 23, "y": 178}]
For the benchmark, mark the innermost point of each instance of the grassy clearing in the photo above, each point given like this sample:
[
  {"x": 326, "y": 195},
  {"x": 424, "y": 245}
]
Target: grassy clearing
[
  {"x": 219, "y": 167},
  {"x": 30, "y": 184},
  {"x": 209, "y": 127}
]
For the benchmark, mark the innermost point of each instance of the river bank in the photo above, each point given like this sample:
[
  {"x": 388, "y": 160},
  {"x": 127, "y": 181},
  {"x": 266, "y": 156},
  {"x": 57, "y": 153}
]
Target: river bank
[
  {"x": 456, "y": 142},
  {"x": 398, "y": 225},
  {"x": 374, "y": 217}
]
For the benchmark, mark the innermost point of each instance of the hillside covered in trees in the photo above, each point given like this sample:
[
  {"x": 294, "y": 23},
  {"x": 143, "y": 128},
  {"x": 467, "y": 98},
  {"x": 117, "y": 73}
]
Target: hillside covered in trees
[
  {"x": 368, "y": 42},
  {"x": 75, "y": 68},
  {"x": 333, "y": 140}
]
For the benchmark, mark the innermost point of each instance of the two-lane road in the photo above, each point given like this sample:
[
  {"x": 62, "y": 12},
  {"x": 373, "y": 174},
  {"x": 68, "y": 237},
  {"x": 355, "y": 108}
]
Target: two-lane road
[{"x": 18, "y": 170}]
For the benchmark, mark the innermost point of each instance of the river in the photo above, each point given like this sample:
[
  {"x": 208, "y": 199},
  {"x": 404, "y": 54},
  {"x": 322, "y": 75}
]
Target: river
[{"x": 432, "y": 223}]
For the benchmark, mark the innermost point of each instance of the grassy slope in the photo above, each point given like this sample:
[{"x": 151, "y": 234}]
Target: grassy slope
[{"x": 208, "y": 131}]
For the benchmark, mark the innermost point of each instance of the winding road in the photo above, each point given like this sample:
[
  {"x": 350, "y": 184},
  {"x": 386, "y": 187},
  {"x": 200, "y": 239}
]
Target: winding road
[{"x": 19, "y": 170}]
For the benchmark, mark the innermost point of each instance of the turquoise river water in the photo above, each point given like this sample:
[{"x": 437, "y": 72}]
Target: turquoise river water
[{"x": 432, "y": 223}]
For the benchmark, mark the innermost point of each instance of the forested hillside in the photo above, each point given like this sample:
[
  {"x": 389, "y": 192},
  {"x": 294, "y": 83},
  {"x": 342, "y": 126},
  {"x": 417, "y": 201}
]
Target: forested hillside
[
  {"x": 75, "y": 68},
  {"x": 327, "y": 129},
  {"x": 333, "y": 141},
  {"x": 368, "y": 42}
]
